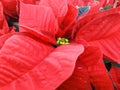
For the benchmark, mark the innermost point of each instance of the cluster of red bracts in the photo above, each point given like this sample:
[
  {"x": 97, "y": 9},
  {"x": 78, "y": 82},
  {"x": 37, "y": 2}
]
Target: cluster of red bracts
[{"x": 31, "y": 59}]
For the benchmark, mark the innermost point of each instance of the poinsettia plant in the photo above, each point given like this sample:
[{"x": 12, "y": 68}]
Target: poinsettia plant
[
  {"x": 58, "y": 48},
  {"x": 11, "y": 7}
]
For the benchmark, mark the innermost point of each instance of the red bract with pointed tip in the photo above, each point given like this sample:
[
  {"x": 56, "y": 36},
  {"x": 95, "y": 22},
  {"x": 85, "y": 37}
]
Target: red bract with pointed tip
[{"x": 31, "y": 60}]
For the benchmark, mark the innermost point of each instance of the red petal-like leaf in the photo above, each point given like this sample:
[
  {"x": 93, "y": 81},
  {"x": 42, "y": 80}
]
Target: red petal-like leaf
[
  {"x": 115, "y": 73},
  {"x": 3, "y": 38},
  {"x": 101, "y": 26},
  {"x": 43, "y": 22},
  {"x": 67, "y": 22},
  {"x": 3, "y": 24},
  {"x": 29, "y": 1},
  {"x": 81, "y": 2},
  {"x": 19, "y": 55},
  {"x": 79, "y": 80},
  {"x": 11, "y": 7},
  {"x": 92, "y": 58},
  {"x": 110, "y": 47},
  {"x": 69, "y": 18},
  {"x": 89, "y": 17},
  {"x": 59, "y": 7},
  {"x": 103, "y": 31},
  {"x": 35, "y": 74},
  {"x": 89, "y": 69},
  {"x": 76, "y": 2}
]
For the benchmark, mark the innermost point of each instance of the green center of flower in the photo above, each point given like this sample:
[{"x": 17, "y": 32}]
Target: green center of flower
[{"x": 62, "y": 41}]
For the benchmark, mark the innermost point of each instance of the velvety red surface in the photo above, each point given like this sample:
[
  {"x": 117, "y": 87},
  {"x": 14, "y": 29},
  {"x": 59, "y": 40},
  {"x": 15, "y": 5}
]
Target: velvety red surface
[{"x": 31, "y": 59}]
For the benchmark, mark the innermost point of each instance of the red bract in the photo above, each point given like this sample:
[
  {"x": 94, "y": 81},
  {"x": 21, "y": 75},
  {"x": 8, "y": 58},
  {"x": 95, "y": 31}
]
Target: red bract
[
  {"x": 89, "y": 70},
  {"x": 59, "y": 8},
  {"x": 115, "y": 74},
  {"x": 38, "y": 63},
  {"x": 31, "y": 60},
  {"x": 81, "y": 2},
  {"x": 11, "y": 7},
  {"x": 3, "y": 24},
  {"x": 102, "y": 34}
]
